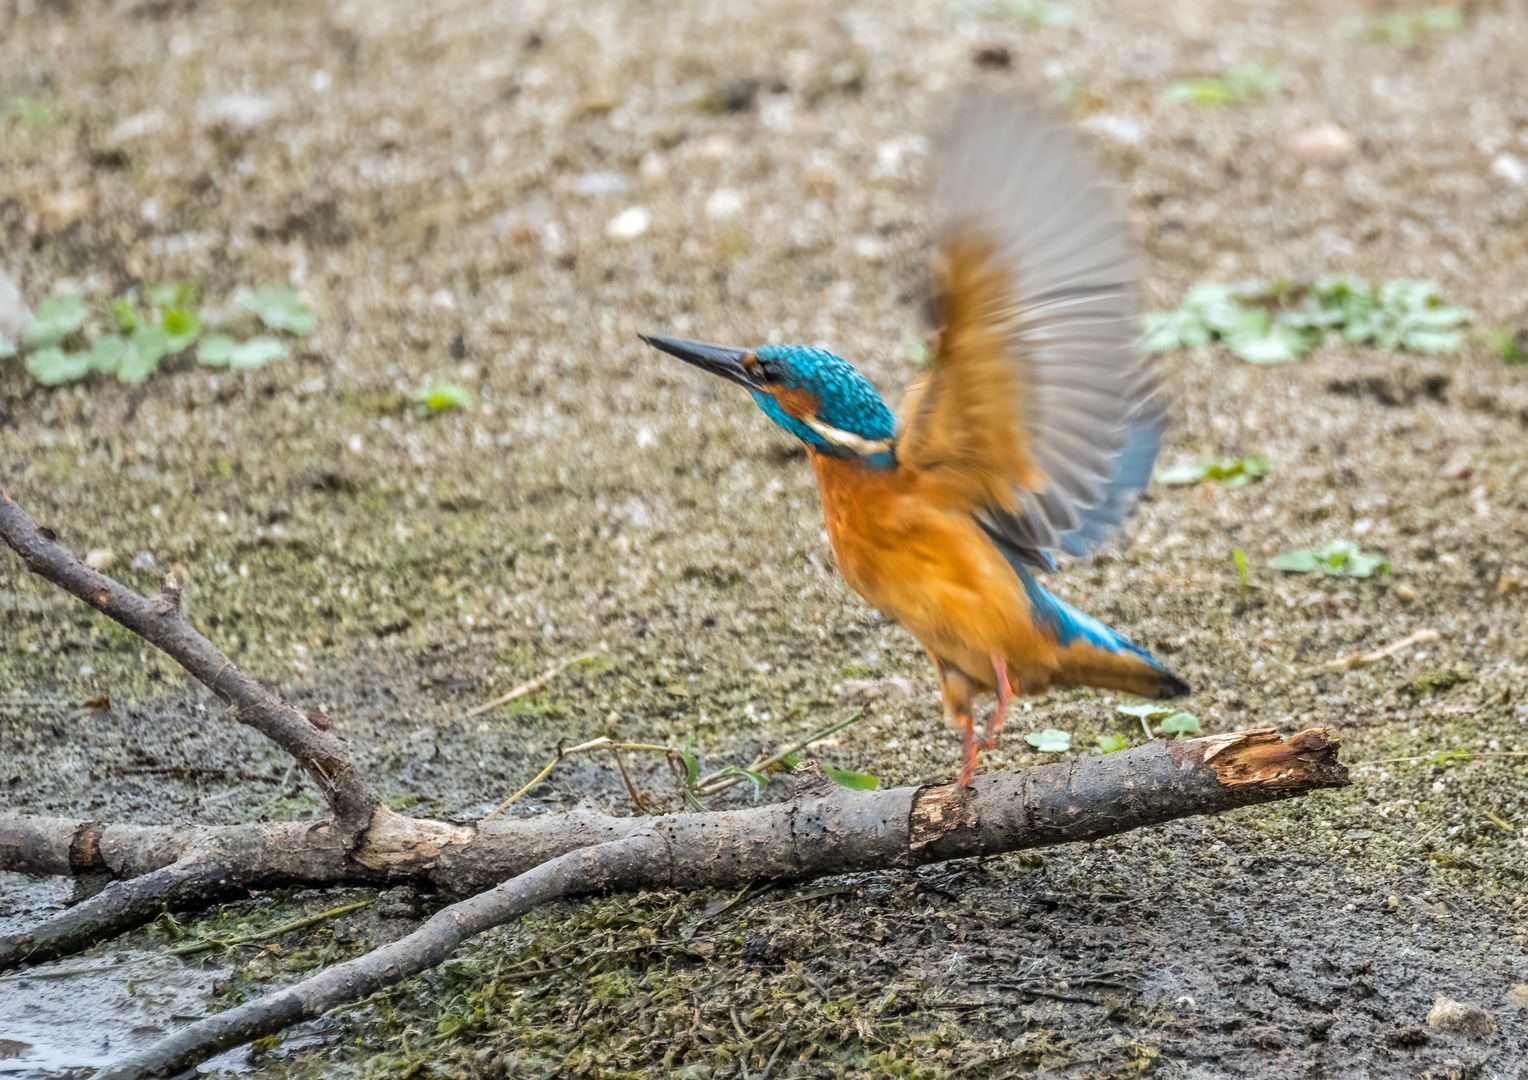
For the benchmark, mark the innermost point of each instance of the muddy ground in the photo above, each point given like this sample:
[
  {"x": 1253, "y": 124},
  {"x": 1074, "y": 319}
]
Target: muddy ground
[{"x": 438, "y": 178}]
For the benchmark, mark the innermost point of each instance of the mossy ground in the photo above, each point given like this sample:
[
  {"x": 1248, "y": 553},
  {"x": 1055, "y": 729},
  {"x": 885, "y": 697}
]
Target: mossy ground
[{"x": 438, "y": 179}]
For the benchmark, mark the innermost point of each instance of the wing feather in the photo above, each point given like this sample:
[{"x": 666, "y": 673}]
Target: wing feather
[{"x": 1037, "y": 413}]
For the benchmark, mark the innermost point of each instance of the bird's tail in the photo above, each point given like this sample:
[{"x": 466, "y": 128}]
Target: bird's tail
[{"x": 1091, "y": 654}]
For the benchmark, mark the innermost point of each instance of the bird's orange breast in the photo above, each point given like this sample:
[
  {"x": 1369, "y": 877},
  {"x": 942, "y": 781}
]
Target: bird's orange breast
[{"x": 924, "y": 562}]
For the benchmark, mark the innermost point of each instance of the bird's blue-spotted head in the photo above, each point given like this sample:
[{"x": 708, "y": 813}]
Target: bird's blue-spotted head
[{"x": 811, "y": 393}]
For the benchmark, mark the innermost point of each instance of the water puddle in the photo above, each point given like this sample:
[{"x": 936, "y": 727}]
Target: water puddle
[{"x": 66, "y": 1018}]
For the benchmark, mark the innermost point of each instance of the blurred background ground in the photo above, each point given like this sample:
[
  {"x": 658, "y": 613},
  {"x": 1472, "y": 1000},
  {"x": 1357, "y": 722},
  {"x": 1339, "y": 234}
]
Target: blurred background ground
[{"x": 501, "y": 195}]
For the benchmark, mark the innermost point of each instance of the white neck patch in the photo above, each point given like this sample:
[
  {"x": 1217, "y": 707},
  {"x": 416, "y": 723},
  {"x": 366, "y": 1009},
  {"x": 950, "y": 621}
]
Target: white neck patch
[{"x": 847, "y": 439}]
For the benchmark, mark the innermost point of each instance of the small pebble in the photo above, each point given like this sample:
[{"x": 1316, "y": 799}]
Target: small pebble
[
  {"x": 629, "y": 224},
  {"x": 724, "y": 203},
  {"x": 1324, "y": 144},
  {"x": 1510, "y": 168},
  {"x": 1460, "y": 1018}
]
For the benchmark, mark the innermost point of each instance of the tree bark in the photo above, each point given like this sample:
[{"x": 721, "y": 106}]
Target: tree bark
[
  {"x": 823, "y": 830},
  {"x": 160, "y": 866}
]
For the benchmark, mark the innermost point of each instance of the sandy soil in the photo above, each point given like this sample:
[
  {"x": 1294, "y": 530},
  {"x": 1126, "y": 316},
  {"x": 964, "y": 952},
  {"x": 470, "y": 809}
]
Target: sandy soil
[{"x": 440, "y": 179}]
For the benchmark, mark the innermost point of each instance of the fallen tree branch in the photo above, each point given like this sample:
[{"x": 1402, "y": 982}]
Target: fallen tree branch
[
  {"x": 322, "y": 755},
  {"x": 824, "y": 829}
]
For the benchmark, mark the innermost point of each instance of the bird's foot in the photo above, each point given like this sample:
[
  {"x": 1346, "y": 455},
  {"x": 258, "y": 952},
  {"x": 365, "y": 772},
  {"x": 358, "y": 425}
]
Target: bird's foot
[{"x": 999, "y": 714}]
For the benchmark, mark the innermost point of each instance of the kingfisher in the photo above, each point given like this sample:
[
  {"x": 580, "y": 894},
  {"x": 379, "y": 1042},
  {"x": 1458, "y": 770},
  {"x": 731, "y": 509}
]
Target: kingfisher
[{"x": 1032, "y": 431}]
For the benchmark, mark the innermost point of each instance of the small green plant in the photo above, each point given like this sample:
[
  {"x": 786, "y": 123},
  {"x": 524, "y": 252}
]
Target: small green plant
[
  {"x": 1404, "y": 29},
  {"x": 1174, "y": 721},
  {"x": 915, "y": 348},
  {"x": 1340, "y": 557},
  {"x": 1227, "y": 472},
  {"x": 1513, "y": 348},
  {"x": 221, "y": 351},
  {"x": 1028, "y": 12},
  {"x": 1273, "y": 322},
  {"x": 441, "y": 397},
  {"x": 1109, "y": 744},
  {"x": 34, "y": 114},
  {"x": 279, "y": 308},
  {"x": 68, "y": 340},
  {"x": 1242, "y": 84},
  {"x": 1050, "y": 741},
  {"x": 1181, "y": 725}
]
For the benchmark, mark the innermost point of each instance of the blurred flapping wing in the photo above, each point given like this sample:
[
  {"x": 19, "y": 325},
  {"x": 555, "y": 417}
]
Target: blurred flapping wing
[{"x": 1037, "y": 412}]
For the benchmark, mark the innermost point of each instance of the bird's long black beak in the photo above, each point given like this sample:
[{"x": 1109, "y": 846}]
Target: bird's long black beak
[{"x": 717, "y": 359}]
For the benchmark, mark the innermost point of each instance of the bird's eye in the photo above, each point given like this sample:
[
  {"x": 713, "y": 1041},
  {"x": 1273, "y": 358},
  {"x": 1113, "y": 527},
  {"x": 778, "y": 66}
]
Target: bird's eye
[{"x": 765, "y": 371}]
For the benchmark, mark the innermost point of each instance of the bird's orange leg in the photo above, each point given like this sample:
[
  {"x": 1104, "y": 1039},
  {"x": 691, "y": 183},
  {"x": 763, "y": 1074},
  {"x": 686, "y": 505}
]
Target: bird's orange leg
[
  {"x": 969, "y": 748},
  {"x": 1004, "y": 696},
  {"x": 956, "y": 690}
]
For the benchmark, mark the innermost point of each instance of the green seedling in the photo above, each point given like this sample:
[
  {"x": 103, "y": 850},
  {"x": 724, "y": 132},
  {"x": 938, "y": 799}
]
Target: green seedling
[
  {"x": 1050, "y": 741},
  {"x": 1181, "y": 724},
  {"x": 1242, "y": 84},
  {"x": 1404, "y": 29},
  {"x": 1513, "y": 348},
  {"x": 441, "y": 397},
  {"x": 1109, "y": 744},
  {"x": 55, "y": 319},
  {"x": 1227, "y": 472},
  {"x": 128, "y": 339},
  {"x": 1028, "y": 12},
  {"x": 1145, "y": 713},
  {"x": 915, "y": 348},
  {"x": 221, "y": 351},
  {"x": 279, "y": 308},
  {"x": 1340, "y": 557},
  {"x": 1273, "y": 322}
]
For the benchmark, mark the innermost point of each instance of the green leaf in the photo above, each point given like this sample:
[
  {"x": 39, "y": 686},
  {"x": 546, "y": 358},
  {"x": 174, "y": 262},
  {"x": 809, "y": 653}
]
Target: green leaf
[
  {"x": 1183, "y": 724},
  {"x": 1239, "y": 557},
  {"x": 1033, "y": 12},
  {"x": 55, "y": 319},
  {"x": 257, "y": 352},
  {"x": 182, "y": 294},
  {"x": 1228, "y": 472},
  {"x": 279, "y": 308},
  {"x": 106, "y": 353},
  {"x": 915, "y": 349},
  {"x": 1147, "y": 711},
  {"x": 1512, "y": 347},
  {"x": 1274, "y": 346},
  {"x": 1243, "y": 83},
  {"x": 126, "y": 313},
  {"x": 144, "y": 348},
  {"x": 1338, "y": 557},
  {"x": 855, "y": 781},
  {"x": 758, "y": 779},
  {"x": 183, "y": 327},
  {"x": 691, "y": 767},
  {"x": 1296, "y": 562},
  {"x": 216, "y": 351},
  {"x": 1109, "y": 744},
  {"x": 1050, "y": 741},
  {"x": 52, "y": 366},
  {"x": 442, "y": 396},
  {"x": 1197, "y": 92}
]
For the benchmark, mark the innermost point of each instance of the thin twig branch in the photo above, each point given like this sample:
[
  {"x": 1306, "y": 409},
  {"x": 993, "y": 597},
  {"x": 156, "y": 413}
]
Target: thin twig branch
[
  {"x": 321, "y": 754},
  {"x": 530, "y": 686}
]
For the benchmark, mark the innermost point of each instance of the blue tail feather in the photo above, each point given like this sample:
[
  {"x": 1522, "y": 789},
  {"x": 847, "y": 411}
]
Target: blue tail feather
[{"x": 1070, "y": 625}]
